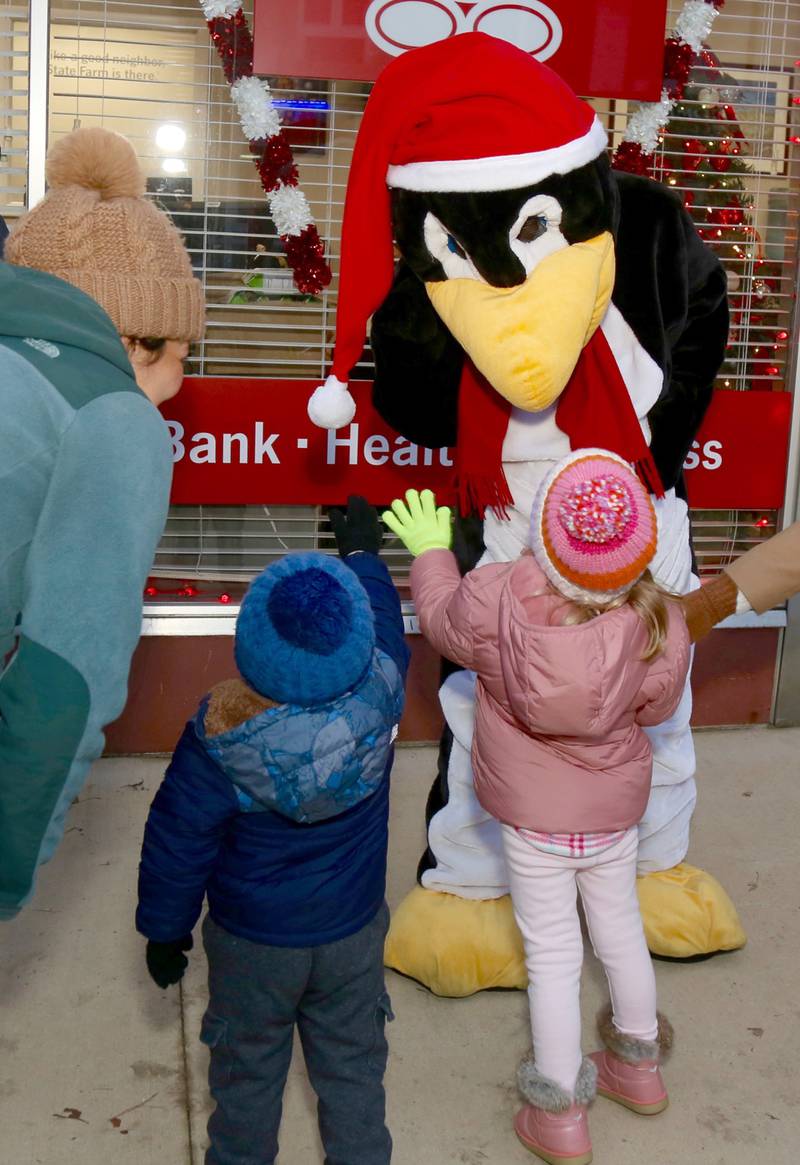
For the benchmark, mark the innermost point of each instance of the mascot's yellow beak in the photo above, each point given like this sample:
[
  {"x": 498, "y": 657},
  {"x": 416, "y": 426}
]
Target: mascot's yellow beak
[{"x": 526, "y": 340}]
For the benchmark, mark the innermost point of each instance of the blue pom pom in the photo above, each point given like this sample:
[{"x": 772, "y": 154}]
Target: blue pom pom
[
  {"x": 305, "y": 632},
  {"x": 311, "y": 610}
]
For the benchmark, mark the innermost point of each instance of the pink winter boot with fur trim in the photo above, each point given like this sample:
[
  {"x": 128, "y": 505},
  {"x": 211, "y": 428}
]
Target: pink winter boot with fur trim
[
  {"x": 553, "y": 1124},
  {"x": 628, "y": 1071}
]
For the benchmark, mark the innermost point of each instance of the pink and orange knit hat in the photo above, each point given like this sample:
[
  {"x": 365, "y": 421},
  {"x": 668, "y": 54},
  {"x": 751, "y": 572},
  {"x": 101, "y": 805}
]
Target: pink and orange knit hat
[{"x": 593, "y": 527}]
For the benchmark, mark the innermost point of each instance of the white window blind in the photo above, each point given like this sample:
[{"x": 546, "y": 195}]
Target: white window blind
[
  {"x": 257, "y": 323},
  {"x": 743, "y": 100},
  {"x": 744, "y": 200},
  {"x": 140, "y": 66}
]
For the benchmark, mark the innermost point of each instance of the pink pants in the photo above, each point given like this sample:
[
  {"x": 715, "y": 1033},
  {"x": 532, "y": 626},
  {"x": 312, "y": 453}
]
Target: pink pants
[{"x": 544, "y": 894}]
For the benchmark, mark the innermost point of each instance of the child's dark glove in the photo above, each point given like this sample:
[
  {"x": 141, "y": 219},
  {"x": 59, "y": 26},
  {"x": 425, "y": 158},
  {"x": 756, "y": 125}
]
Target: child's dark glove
[
  {"x": 166, "y": 961},
  {"x": 358, "y": 529}
]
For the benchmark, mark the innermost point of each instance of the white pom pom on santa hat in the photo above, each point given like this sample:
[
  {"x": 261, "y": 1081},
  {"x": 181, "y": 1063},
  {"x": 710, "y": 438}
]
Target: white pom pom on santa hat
[
  {"x": 471, "y": 113},
  {"x": 331, "y": 406}
]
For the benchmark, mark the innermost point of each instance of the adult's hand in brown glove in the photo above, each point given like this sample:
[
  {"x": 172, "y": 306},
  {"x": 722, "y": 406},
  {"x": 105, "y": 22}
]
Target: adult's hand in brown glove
[{"x": 708, "y": 605}]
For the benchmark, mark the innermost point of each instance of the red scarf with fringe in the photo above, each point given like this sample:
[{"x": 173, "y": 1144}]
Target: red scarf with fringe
[{"x": 594, "y": 410}]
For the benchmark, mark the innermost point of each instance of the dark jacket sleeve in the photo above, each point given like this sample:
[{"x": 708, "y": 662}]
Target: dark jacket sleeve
[
  {"x": 186, "y": 824},
  {"x": 696, "y": 356},
  {"x": 385, "y": 603},
  {"x": 672, "y": 289}
]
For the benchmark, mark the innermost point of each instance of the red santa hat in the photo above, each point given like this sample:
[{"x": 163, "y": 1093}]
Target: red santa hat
[{"x": 471, "y": 113}]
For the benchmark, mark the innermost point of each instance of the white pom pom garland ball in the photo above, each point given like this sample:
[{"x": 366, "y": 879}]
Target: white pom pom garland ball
[{"x": 220, "y": 9}]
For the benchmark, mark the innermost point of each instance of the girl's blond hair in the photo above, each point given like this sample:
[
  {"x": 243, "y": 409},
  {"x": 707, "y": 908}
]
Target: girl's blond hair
[{"x": 648, "y": 600}]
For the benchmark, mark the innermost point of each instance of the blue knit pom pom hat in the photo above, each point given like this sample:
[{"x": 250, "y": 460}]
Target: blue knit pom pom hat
[{"x": 305, "y": 632}]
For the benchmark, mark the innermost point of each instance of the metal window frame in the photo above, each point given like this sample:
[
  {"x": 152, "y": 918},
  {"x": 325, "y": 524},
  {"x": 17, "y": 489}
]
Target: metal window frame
[
  {"x": 38, "y": 84},
  {"x": 786, "y": 692},
  {"x": 201, "y": 619},
  {"x": 210, "y": 619}
]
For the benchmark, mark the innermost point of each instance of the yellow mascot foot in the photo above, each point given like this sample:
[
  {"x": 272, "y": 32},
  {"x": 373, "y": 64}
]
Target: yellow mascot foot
[
  {"x": 456, "y": 946},
  {"x": 687, "y": 914}
]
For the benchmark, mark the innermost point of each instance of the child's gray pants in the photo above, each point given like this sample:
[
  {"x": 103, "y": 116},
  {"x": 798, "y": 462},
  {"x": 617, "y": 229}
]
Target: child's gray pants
[{"x": 337, "y": 997}]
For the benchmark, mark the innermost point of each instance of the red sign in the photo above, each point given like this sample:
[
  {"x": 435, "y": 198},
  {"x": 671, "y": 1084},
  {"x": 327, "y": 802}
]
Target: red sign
[
  {"x": 602, "y": 48},
  {"x": 738, "y": 461},
  {"x": 236, "y": 442}
]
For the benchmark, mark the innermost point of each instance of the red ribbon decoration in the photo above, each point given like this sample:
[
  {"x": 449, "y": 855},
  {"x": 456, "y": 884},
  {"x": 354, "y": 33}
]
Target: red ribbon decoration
[
  {"x": 678, "y": 59},
  {"x": 273, "y": 156}
]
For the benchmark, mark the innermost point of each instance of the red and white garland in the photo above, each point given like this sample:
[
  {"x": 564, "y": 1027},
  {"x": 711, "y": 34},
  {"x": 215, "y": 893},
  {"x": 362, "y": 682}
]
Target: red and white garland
[
  {"x": 644, "y": 129},
  {"x": 289, "y": 208},
  {"x": 261, "y": 125}
]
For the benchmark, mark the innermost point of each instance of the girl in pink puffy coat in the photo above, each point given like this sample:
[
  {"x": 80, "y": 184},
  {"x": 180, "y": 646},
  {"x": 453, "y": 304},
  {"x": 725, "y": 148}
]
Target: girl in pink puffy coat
[{"x": 575, "y": 650}]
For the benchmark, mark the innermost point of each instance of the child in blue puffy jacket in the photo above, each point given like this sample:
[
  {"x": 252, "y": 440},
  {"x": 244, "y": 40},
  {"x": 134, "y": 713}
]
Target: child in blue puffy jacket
[{"x": 275, "y": 806}]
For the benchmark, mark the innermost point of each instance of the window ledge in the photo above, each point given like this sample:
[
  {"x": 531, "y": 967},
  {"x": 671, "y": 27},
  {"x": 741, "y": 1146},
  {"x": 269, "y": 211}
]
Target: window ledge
[{"x": 220, "y": 619}]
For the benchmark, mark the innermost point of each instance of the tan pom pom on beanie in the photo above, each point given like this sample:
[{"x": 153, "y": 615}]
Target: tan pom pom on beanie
[{"x": 97, "y": 231}]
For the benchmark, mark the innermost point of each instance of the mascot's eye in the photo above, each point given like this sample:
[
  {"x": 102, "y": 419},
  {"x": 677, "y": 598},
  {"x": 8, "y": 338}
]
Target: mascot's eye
[
  {"x": 533, "y": 228},
  {"x": 454, "y": 246}
]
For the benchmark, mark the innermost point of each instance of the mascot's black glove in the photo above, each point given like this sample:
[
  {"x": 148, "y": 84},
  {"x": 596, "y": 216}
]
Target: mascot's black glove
[
  {"x": 166, "y": 961},
  {"x": 358, "y": 529}
]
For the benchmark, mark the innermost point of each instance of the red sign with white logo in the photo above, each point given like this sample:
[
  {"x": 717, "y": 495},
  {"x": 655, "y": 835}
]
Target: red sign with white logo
[
  {"x": 236, "y": 442},
  {"x": 602, "y": 48}
]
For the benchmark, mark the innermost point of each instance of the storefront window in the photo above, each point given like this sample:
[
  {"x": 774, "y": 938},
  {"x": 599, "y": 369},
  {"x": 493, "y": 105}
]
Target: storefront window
[{"x": 149, "y": 70}]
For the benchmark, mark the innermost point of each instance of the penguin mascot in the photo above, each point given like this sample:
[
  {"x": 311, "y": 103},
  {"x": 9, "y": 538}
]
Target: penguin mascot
[{"x": 542, "y": 303}]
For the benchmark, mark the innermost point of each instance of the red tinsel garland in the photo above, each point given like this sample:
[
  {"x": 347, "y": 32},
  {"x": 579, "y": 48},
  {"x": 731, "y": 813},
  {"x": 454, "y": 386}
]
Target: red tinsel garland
[
  {"x": 631, "y": 158},
  {"x": 273, "y": 157},
  {"x": 274, "y": 161},
  {"x": 306, "y": 255},
  {"x": 233, "y": 42},
  {"x": 678, "y": 60}
]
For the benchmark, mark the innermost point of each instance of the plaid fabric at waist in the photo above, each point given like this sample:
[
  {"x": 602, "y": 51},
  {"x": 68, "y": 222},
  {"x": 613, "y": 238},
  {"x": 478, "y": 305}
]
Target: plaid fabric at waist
[{"x": 572, "y": 845}]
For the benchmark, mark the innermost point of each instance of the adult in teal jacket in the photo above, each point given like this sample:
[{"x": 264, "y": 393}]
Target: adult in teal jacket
[{"x": 97, "y": 305}]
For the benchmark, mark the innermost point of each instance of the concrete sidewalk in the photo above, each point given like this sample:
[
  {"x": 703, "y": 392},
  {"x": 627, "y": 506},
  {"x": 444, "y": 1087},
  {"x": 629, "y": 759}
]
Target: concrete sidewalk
[{"x": 99, "y": 1067}]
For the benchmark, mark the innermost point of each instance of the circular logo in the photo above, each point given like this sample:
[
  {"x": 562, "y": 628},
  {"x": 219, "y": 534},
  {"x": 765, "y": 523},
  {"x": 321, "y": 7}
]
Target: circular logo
[
  {"x": 395, "y": 26},
  {"x": 531, "y": 26}
]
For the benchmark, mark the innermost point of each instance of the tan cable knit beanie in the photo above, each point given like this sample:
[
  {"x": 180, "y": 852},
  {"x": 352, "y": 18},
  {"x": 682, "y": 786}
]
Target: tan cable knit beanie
[{"x": 95, "y": 230}]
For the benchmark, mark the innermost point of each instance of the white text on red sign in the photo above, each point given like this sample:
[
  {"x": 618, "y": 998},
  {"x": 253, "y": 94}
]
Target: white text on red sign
[{"x": 261, "y": 448}]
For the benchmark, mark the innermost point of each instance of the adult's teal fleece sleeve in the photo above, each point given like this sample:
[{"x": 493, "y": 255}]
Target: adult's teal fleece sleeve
[{"x": 91, "y": 551}]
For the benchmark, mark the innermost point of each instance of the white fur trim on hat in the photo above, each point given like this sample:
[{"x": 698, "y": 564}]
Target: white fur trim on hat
[
  {"x": 504, "y": 172},
  {"x": 331, "y": 406}
]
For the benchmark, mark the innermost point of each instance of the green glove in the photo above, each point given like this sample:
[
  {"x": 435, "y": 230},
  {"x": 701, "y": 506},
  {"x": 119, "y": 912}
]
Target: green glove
[{"x": 418, "y": 524}]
